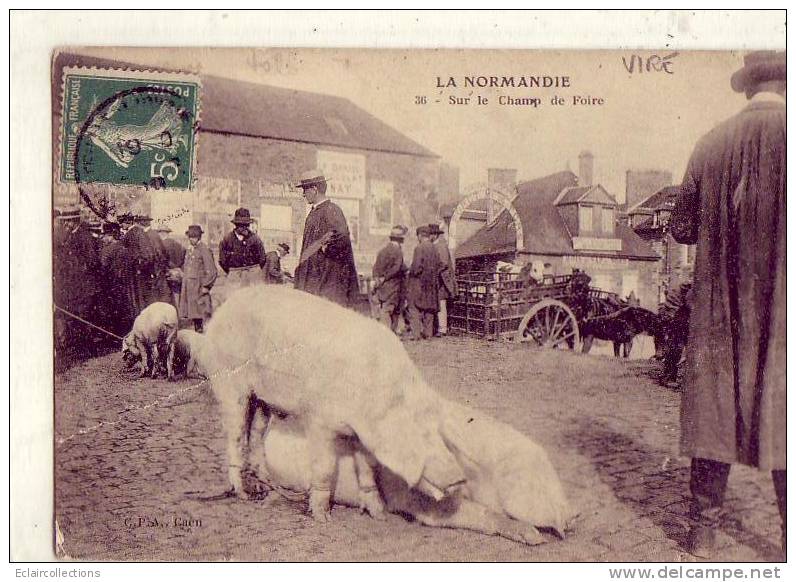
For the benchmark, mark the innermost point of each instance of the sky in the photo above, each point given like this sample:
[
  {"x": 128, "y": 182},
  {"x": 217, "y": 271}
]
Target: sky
[{"x": 649, "y": 119}]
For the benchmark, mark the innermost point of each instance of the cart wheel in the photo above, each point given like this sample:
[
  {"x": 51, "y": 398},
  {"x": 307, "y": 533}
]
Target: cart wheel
[{"x": 549, "y": 324}]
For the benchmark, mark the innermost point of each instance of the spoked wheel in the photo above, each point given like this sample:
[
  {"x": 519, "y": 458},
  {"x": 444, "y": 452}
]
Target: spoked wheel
[{"x": 549, "y": 324}]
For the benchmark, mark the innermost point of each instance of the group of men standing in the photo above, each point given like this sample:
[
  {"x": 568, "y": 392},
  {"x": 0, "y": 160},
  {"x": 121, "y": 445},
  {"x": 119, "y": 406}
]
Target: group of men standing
[{"x": 417, "y": 294}]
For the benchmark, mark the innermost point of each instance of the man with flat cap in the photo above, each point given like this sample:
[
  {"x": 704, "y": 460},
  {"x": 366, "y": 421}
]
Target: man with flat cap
[
  {"x": 273, "y": 264},
  {"x": 389, "y": 272},
  {"x": 241, "y": 253},
  {"x": 732, "y": 206},
  {"x": 326, "y": 266},
  {"x": 422, "y": 286}
]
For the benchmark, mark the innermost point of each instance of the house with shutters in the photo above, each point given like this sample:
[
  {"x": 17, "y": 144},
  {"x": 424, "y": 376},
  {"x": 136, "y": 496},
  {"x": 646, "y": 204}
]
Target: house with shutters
[{"x": 567, "y": 223}]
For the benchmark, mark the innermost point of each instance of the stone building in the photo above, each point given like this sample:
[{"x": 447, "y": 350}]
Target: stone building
[
  {"x": 567, "y": 223},
  {"x": 255, "y": 140},
  {"x": 649, "y": 219}
]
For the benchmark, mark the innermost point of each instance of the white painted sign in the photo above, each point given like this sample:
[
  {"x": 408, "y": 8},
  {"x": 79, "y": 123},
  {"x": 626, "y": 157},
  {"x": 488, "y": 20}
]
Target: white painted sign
[{"x": 345, "y": 172}]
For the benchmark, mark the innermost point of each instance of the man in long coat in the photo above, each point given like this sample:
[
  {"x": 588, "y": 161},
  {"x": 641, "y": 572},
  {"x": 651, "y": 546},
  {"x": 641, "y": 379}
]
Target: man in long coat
[
  {"x": 326, "y": 266},
  {"x": 447, "y": 276},
  {"x": 175, "y": 253},
  {"x": 76, "y": 286},
  {"x": 732, "y": 205},
  {"x": 198, "y": 275},
  {"x": 142, "y": 284},
  {"x": 389, "y": 272},
  {"x": 422, "y": 286}
]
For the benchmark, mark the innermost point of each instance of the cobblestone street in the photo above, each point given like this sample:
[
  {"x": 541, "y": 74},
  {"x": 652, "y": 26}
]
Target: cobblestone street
[{"x": 144, "y": 484}]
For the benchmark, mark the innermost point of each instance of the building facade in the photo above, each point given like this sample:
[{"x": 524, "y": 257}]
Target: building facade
[
  {"x": 255, "y": 140},
  {"x": 568, "y": 224}
]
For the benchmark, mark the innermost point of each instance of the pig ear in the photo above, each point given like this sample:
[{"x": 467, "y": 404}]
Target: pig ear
[{"x": 397, "y": 443}]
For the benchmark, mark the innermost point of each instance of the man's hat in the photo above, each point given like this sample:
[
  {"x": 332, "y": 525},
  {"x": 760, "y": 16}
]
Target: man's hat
[
  {"x": 194, "y": 231},
  {"x": 311, "y": 178},
  {"x": 285, "y": 247},
  {"x": 242, "y": 216},
  {"x": 142, "y": 219},
  {"x": 759, "y": 66},
  {"x": 162, "y": 227},
  {"x": 423, "y": 230},
  {"x": 398, "y": 232},
  {"x": 434, "y": 228}
]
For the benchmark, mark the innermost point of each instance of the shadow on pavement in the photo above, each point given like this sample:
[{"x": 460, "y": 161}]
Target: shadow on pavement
[{"x": 653, "y": 485}]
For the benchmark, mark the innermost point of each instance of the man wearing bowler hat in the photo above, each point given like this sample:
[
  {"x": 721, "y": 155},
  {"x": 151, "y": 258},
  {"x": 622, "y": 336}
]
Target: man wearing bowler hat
[
  {"x": 422, "y": 286},
  {"x": 198, "y": 275},
  {"x": 326, "y": 266},
  {"x": 732, "y": 206},
  {"x": 241, "y": 253},
  {"x": 389, "y": 272},
  {"x": 273, "y": 264}
]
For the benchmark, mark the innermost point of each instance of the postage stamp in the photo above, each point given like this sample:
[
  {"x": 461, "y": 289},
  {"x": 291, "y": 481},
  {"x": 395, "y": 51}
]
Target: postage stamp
[{"x": 128, "y": 128}]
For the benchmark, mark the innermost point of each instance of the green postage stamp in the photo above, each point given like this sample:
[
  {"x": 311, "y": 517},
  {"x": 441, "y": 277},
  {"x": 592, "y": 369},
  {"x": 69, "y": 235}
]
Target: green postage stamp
[{"x": 129, "y": 128}]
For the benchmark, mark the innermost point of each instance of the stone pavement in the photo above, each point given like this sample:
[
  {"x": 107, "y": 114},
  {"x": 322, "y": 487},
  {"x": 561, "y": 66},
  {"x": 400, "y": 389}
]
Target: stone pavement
[{"x": 145, "y": 484}]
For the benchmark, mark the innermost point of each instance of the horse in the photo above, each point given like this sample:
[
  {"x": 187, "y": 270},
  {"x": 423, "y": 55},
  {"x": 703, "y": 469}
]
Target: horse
[{"x": 619, "y": 327}]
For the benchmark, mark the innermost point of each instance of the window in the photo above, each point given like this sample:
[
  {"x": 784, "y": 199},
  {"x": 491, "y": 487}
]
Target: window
[
  {"x": 608, "y": 220},
  {"x": 585, "y": 218},
  {"x": 350, "y": 208}
]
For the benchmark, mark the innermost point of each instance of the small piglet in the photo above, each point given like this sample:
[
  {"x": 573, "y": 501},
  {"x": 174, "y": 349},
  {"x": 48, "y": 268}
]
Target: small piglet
[{"x": 150, "y": 340}]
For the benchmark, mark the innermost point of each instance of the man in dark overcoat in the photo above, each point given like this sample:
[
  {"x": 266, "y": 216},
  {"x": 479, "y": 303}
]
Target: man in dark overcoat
[
  {"x": 326, "y": 266},
  {"x": 422, "y": 294},
  {"x": 732, "y": 205},
  {"x": 175, "y": 253},
  {"x": 160, "y": 285},
  {"x": 76, "y": 284},
  {"x": 447, "y": 276},
  {"x": 142, "y": 286},
  {"x": 389, "y": 272}
]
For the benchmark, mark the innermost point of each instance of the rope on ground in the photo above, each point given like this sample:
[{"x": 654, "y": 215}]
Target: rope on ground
[
  {"x": 134, "y": 410},
  {"x": 78, "y": 318}
]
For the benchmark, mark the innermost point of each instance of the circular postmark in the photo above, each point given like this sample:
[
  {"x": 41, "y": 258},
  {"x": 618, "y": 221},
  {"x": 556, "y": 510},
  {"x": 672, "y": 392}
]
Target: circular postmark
[{"x": 141, "y": 136}]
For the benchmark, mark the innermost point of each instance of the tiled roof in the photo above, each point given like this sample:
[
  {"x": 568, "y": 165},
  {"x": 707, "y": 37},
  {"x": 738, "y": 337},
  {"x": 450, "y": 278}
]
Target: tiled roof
[
  {"x": 543, "y": 228},
  {"x": 252, "y": 109},
  {"x": 663, "y": 196}
]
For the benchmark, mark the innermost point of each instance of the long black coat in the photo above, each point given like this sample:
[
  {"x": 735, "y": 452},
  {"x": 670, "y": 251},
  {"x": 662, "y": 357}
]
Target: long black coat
[
  {"x": 732, "y": 205},
  {"x": 330, "y": 273},
  {"x": 422, "y": 285},
  {"x": 389, "y": 270}
]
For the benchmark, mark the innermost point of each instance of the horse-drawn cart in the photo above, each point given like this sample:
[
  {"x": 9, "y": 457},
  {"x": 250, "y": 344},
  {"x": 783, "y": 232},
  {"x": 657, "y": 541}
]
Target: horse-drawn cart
[{"x": 546, "y": 313}]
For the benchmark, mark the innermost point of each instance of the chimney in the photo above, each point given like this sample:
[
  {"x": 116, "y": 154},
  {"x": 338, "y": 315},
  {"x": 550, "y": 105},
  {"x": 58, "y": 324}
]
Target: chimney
[
  {"x": 585, "y": 168},
  {"x": 502, "y": 180}
]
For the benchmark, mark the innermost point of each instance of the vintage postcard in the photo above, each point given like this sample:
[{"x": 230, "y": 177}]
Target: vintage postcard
[{"x": 417, "y": 304}]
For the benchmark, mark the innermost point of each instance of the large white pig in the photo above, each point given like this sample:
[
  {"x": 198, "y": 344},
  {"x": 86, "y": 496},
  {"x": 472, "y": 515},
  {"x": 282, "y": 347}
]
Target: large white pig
[
  {"x": 338, "y": 371},
  {"x": 511, "y": 487}
]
